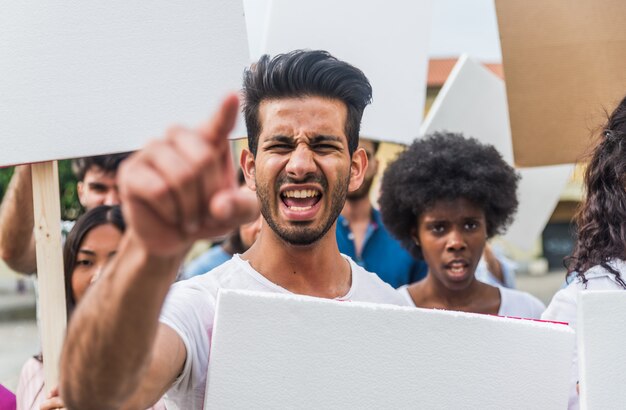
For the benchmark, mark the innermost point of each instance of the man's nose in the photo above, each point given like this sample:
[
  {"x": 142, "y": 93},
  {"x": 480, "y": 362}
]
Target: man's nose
[
  {"x": 112, "y": 197},
  {"x": 301, "y": 162}
]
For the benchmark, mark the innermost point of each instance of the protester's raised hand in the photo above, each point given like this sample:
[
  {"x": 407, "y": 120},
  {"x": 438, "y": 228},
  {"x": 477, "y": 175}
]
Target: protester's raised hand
[
  {"x": 182, "y": 187},
  {"x": 53, "y": 401}
]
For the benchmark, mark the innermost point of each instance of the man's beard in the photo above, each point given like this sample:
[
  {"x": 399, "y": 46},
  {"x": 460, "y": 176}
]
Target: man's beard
[
  {"x": 362, "y": 191},
  {"x": 303, "y": 233}
]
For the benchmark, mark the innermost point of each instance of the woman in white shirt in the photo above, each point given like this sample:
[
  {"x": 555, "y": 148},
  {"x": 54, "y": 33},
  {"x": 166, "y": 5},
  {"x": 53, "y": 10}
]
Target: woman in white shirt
[
  {"x": 599, "y": 258},
  {"x": 443, "y": 198}
]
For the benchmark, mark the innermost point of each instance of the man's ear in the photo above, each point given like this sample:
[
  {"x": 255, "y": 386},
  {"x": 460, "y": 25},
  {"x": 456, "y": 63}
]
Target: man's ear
[
  {"x": 248, "y": 167},
  {"x": 358, "y": 167},
  {"x": 80, "y": 191}
]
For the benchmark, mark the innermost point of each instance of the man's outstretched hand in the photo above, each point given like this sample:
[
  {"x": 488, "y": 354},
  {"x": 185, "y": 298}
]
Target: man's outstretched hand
[{"x": 182, "y": 188}]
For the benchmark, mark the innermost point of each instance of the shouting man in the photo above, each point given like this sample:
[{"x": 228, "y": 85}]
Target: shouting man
[{"x": 127, "y": 344}]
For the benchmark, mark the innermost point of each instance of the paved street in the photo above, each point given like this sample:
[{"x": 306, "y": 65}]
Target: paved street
[
  {"x": 19, "y": 340},
  {"x": 543, "y": 287}
]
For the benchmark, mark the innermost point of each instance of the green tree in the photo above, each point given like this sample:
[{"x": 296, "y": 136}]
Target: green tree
[{"x": 70, "y": 207}]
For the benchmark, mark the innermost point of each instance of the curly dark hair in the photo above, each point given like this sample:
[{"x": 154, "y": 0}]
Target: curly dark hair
[
  {"x": 601, "y": 217},
  {"x": 303, "y": 73},
  {"x": 446, "y": 166}
]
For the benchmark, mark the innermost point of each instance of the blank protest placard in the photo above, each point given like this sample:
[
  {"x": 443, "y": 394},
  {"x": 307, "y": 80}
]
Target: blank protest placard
[
  {"x": 87, "y": 77},
  {"x": 282, "y": 351},
  {"x": 473, "y": 102},
  {"x": 564, "y": 66},
  {"x": 601, "y": 341},
  {"x": 387, "y": 41}
]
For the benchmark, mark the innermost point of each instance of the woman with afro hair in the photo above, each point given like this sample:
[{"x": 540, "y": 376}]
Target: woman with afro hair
[
  {"x": 443, "y": 198},
  {"x": 599, "y": 258}
]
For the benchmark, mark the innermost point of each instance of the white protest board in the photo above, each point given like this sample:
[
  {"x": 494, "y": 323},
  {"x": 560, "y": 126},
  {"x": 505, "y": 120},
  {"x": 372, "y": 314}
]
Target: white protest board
[
  {"x": 257, "y": 16},
  {"x": 601, "y": 339},
  {"x": 88, "y": 77},
  {"x": 83, "y": 78},
  {"x": 286, "y": 351},
  {"x": 461, "y": 26},
  {"x": 473, "y": 102},
  {"x": 388, "y": 41}
]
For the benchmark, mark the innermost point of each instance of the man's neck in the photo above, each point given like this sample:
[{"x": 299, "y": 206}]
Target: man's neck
[
  {"x": 314, "y": 270},
  {"x": 357, "y": 210}
]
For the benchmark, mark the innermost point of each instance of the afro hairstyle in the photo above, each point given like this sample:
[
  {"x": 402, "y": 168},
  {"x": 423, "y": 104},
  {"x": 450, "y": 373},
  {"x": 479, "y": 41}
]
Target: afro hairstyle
[{"x": 446, "y": 166}]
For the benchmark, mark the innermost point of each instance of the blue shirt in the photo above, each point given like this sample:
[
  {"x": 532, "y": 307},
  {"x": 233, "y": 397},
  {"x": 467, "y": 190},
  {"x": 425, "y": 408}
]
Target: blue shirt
[
  {"x": 381, "y": 254},
  {"x": 210, "y": 259}
]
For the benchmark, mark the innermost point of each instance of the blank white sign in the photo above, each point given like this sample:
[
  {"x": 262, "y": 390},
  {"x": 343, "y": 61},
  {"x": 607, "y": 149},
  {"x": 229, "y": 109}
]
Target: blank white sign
[
  {"x": 90, "y": 77},
  {"x": 278, "y": 351},
  {"x": 473, "y": 102},
  {"x": 601, "y": 340},
  {"x": 388, "y": 41}
]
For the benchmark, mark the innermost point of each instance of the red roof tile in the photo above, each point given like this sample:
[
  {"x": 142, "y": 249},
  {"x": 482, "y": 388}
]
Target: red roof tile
[{"x": 439, "y": 69}]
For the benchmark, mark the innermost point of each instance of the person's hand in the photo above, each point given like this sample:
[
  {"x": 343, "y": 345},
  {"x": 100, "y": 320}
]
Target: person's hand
[
  {"x": 183, "y": 187},
  {"x": 53, "y": 401}
]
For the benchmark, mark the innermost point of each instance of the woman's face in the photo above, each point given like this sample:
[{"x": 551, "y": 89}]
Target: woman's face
[
  {"x": 452, "y": 235},
  {"x": 97, "y": 248}
]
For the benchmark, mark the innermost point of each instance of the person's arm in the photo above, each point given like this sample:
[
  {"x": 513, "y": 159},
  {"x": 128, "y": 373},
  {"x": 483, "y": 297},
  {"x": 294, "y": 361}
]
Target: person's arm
[
  {"x": 53, "y": 401},
  {"x": 173, "y": 192},
  {"x": 17, "y": 239},
  {"x": 493, "y": 264}
]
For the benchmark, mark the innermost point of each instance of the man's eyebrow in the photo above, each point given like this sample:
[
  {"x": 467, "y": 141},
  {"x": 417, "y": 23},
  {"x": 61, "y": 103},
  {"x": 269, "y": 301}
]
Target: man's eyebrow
[
  {"x": 280, "y": 138},
  {"x": 97, "y": 185},
  {"x": 86, "y": 251},
  {"x": 325, "y": 138}
]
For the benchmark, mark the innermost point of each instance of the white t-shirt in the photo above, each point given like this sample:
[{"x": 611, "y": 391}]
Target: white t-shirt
[
  {"x": 563, "y": 307},
  {"x": 512, "y": 303},
  {"x": 190, "y": 306}
]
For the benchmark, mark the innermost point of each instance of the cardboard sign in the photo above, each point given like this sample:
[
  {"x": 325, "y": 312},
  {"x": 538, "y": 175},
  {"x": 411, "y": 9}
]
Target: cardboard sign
[
  {"x": 601, "y": 337},
  {"x": 473, "y": 102},
  {"x": 388, "y": 43},
  {"x": 280, "y": 351},
  {"x": 84, "y": 78},
  {"x": 564, "y": 65}
]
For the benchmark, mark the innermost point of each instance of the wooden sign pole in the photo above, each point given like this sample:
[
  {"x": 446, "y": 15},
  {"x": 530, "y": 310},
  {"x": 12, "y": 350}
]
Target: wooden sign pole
[{"x": 52, "y": 311}]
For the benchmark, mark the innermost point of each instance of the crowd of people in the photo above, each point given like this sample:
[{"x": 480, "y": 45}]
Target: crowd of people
[{"x": 297, "y": 219}]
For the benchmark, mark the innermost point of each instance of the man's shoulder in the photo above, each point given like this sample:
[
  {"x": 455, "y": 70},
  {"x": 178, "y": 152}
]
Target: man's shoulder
[{"x": 368, "y": 287}]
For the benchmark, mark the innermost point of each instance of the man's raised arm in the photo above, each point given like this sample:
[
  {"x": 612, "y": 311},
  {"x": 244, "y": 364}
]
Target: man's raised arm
[
  {"x": 174, "y": 191},
  {"x": 17, "y": 239}
]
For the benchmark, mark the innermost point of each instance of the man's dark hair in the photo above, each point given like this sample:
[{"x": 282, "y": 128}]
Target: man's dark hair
[
  {"x": 601, "y": 217},
  {"x": 446, "y": 166},
  {"x": 304, "y": 73},
  {"x": 107, "y": 163}
]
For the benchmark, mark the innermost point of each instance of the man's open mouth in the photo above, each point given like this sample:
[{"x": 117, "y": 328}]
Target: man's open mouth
[{"x": 300, "y": 199}]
